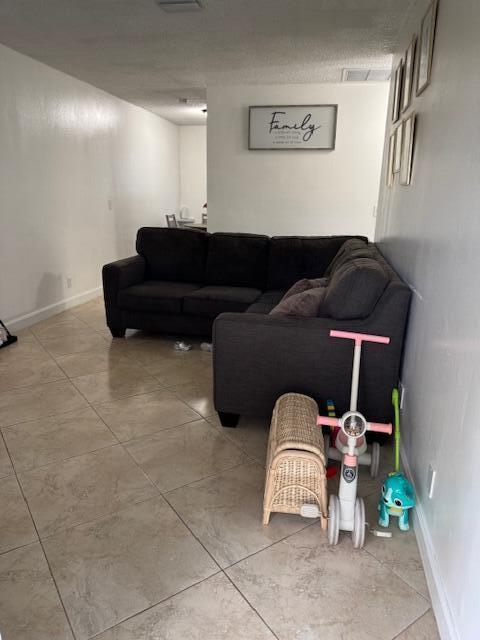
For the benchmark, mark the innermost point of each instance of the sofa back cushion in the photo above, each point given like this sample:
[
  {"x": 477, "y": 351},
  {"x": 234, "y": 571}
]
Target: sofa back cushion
[
  {"x": 292, "y": 258},
  {"x": 178, "y": 255},
  {"x": 354, "y": 289},
  {"x": 353, "y": 248},
  {"x": 237, "y": 259}
]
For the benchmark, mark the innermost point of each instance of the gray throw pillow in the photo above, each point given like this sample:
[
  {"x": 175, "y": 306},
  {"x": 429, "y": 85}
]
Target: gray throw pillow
[
  {"x": 304, "y": 285},
  {"x": 306, "y": 304},
  {"x": 355, "y": 289}
]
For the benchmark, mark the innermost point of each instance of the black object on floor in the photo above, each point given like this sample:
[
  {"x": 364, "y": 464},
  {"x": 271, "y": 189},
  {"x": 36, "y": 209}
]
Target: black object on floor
[{"x": 6, "y": 337}]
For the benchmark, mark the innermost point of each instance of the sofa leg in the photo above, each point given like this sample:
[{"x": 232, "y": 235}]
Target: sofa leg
[
  {"x": 228, "y": 419},
  {"x": 117, "y": 332}
]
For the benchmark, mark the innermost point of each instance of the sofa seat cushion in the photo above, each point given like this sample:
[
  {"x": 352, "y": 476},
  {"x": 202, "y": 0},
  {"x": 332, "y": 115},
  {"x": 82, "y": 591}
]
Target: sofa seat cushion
[
  {"x": 155, "y": 296},
  {"x": 262, "y": 308},
  {"x": 355, "y": 289},
  {"x": 271, "y": 297},
  {"x": 266, "y": 302},
  {"x": 211, "y": 301}
]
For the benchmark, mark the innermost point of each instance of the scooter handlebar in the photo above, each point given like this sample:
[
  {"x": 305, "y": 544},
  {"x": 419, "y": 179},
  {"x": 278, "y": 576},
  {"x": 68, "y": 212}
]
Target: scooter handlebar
[
  {"x": 371, "y": 426},
  {"x": 359, "y": 337},
  {"x": 380, "y": 427},
  {"x": 327, "y": 421}
]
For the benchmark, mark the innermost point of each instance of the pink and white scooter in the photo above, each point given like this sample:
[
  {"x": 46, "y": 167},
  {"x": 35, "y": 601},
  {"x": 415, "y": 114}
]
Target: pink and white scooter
[{"x": 347, "y": 511}]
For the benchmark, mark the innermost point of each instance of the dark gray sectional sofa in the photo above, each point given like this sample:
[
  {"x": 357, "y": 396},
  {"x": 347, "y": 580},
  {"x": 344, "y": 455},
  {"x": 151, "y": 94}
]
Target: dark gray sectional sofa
[{"x": 186, "y": 283}]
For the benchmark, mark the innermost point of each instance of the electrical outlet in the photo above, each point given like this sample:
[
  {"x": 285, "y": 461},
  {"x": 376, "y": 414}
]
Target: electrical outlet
[
  {"x": 432, "y": 474},
  {"x": 69, "y": 283},
  {"x": 401, "y": 393}
]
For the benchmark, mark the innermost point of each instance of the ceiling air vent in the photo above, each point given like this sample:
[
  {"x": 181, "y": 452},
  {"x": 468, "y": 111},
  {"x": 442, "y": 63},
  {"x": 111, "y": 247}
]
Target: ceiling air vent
[
  {"x": 366, "y": 75},
  {"x": 178, "y": 6}
]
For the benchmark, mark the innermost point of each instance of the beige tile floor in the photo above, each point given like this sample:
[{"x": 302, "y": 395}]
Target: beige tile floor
[{"x": 129, "y": 513}]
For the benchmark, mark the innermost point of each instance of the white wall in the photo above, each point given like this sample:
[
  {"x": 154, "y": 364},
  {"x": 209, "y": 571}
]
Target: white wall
[
  {"x": 193, "y": 169},
  {"x": 80, "y": 171},
  {"x": 430, "y": 231},
  {"x": 295, "y": 192}
]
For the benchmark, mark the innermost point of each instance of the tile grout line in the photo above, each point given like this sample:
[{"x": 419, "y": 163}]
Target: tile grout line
[
  {"x": 242, "y": 595},
  {"x": 22, "y": 546},
  {"x": 156, "y": 604},
  {"x": 414, "y": 622},
  {"x": 41, "y": 544},
  {"x": 269, "y": 546},
  {"x": 189, "y": 529},
  {"x": 121, "y": 508},
  {"x": 209, "y": 477},
  {"x": 230, "y": 439},
  {"x": 427, "y": 600},
  {"x": 60, "y": 460},
  {"x": 47, "y": 415}
]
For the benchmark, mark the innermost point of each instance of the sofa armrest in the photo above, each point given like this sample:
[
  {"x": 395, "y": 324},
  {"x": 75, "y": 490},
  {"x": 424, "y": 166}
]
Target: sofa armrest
[
  {"x": 258, "y": 357},
  {"x": 123, "y": 273},
  {"x": 116, "y": 276}
]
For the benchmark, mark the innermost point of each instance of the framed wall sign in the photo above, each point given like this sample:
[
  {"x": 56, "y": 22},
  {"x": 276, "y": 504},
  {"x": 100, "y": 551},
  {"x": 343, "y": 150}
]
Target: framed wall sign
[
  {"x": 425, "y": 54},
  {"x": 292, "y": 127}
]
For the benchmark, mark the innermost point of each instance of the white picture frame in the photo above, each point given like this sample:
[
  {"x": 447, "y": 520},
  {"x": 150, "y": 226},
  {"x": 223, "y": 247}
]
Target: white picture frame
[
  {"x": 397, "y": 92},
  {"x": 397, "y": 156},
  {"x": 425, "y": 49},
  {"x": 408, "y": 74},
  {"x": 408, "y": 139},
  {"x": 292, "y": 127},
  {"x": 391, "y": 153}
]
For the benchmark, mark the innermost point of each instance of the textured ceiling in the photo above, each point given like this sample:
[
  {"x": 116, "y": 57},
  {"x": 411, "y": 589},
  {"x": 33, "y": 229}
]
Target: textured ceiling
[{"x": 134, "y": 50}]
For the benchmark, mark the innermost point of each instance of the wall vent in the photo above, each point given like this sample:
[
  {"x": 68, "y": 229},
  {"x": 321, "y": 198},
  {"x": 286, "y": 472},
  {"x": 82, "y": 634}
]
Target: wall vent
[
  {"x": 366, "y": 75},
  {"x": 179, "y": 6}
]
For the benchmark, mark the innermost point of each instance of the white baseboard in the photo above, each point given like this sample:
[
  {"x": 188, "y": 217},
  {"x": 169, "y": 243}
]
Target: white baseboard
[
  {"x": 21, "y": 322},
  {"x": 438, "y": 593}
]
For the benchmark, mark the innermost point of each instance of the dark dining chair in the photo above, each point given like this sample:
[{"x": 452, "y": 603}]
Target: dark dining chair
[{"x": 171, "y": 220}]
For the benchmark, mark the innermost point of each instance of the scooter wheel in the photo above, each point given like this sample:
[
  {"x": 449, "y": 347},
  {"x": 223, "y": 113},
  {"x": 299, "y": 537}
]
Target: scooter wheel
[
  {"x": 374, "y": 464},
  {"x": 333, "y": 519},
  {"x": 326, "y": 445},
  {"x": 358, "y": 533}
]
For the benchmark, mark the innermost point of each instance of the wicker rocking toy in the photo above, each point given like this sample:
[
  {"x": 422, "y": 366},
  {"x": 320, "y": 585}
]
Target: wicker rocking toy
[{"x": 296, "y": 461}]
